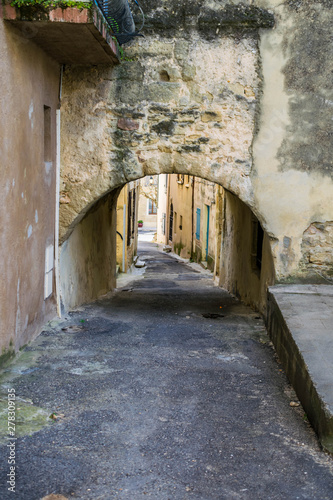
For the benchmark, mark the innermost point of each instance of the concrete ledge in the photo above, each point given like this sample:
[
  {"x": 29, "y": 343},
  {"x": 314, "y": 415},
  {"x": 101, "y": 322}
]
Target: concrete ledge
[
  {"x": 70, "y": 35},
  {"x": 300, "y": 325}
]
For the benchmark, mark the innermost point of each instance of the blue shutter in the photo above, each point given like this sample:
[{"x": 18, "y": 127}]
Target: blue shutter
[{"x": 197, "y": 233}]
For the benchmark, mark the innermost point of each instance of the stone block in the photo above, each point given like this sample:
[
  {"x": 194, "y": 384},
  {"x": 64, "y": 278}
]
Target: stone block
[
  {"x": 165, "y": 127},
  {"x": 163, "y": 92},
  {"x": 211, "y": 116},
  {"x": 127, "y": 124}
]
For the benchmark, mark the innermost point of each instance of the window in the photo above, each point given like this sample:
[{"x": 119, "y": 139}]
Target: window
[
  {"x": 180, "y": 178},
  {"x": 175, "y": 221},
  {"x": 152, "y": 209},
  {"x": 197, "y": 231},
  {"x": 180, "y": 222}
]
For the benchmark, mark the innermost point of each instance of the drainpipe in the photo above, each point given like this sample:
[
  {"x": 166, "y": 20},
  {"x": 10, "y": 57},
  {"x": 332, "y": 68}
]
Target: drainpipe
[
  {"x": 167, "y": 222},
  {"x": 124, "y": 238},
  {"x": 192, "y": 239},
  {"x": 56, "y": 229}
]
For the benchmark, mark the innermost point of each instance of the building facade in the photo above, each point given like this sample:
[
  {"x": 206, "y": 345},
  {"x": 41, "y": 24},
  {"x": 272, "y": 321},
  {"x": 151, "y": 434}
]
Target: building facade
[
  {"x": 148, "y": 202},
  {"x": 32, "y": 52},
  {"x": 127, "y": 223}
]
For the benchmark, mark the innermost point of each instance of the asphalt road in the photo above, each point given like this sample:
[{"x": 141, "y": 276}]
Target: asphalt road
[{"x": 168, "y": 389}]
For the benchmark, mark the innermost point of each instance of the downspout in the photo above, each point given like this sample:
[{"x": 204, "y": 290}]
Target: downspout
[
  {"x": 192, "y": 239},
  {"x": 124, "y": 238},
  {"x": 56, "y": 229},
  {"x": 167, "y": 225}
]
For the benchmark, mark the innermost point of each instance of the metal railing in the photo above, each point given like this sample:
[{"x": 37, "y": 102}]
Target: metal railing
[{"x": 119, "y": 18}]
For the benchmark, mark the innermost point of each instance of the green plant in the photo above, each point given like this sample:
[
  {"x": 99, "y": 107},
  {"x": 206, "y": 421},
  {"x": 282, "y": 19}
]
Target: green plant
[{"x": 52, "y": 3}]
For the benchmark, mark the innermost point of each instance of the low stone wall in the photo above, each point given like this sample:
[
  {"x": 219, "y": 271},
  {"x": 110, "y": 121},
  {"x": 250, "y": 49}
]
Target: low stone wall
[{"x": 290, "y": 335}]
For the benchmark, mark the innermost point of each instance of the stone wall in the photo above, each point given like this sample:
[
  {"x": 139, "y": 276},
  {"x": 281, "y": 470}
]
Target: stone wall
[
  {"x": 238, "y": 94},
  {"x": 317, "y": 247}
]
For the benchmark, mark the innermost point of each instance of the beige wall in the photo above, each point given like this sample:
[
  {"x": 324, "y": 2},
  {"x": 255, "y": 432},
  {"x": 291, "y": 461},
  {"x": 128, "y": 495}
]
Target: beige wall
[
  {"x": 29, "y": 81},
  {"x": 238, "y": 274},
  {"x": 180, "y": 195},
  {"x": 205, "y": 195},
  {"x": 88, "y": 257},
  {"x": 125, "y": 252}
]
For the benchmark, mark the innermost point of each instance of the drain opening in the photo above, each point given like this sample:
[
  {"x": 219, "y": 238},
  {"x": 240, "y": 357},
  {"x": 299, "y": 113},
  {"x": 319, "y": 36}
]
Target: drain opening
[{"x": 213, "y": 315}]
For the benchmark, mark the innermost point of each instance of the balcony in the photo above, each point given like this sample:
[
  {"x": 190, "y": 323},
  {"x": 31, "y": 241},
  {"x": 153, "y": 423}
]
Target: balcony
[{"x": 70, "y": 34}]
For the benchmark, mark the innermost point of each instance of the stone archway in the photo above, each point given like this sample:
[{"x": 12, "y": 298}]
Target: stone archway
[
  {"x": 176, "y": 106},
  {"x": 203, "y": 94}
]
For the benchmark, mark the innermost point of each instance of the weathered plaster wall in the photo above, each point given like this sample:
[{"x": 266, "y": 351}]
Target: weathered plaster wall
[
  {"x": 121, "y": 238},
  {"x": 237, "y": 273},
  {"x": 180, "y": 195},
  {"x": 87, "y": 262},
  {"x": 205, "y": 196},
  {"x": 29, "y": 80},
  {"x": 293, "y": 150}
]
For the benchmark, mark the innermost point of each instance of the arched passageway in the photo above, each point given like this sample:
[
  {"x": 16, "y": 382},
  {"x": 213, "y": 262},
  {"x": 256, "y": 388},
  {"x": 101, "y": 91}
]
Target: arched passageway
[
  {"x": 199, "y": 219},
  {"x": 214, "y": 101}
]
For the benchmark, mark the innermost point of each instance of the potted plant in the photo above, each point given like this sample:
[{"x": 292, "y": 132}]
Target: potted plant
[{"x": 140, "y": 223}]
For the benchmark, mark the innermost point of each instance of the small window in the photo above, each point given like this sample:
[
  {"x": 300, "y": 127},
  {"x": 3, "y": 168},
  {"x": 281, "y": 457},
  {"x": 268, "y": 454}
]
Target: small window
[
  {"x": 175, "y": 221},
  {"x": 180, "y": 222},
  {"x": 152, "y": 209},
  {"x": 180, "y": 178}
]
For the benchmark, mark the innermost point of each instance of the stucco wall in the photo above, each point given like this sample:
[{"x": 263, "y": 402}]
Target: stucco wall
[
  {"x": 293, "y": 151},
  {"x": 88, "y": 258},
  {"x": 237, "y": 272},
  {"x": 204, "y": 197},
  {"x": 29, "y": 81},
  {"x": 180, "y": 195}
]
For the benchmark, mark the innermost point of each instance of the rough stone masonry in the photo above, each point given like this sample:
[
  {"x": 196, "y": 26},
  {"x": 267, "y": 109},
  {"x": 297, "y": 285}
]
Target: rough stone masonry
[{"x": 239, "y": 94}]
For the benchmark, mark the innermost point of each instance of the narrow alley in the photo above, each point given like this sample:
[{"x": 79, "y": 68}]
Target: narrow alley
[{"x": 167, "y": 389}]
